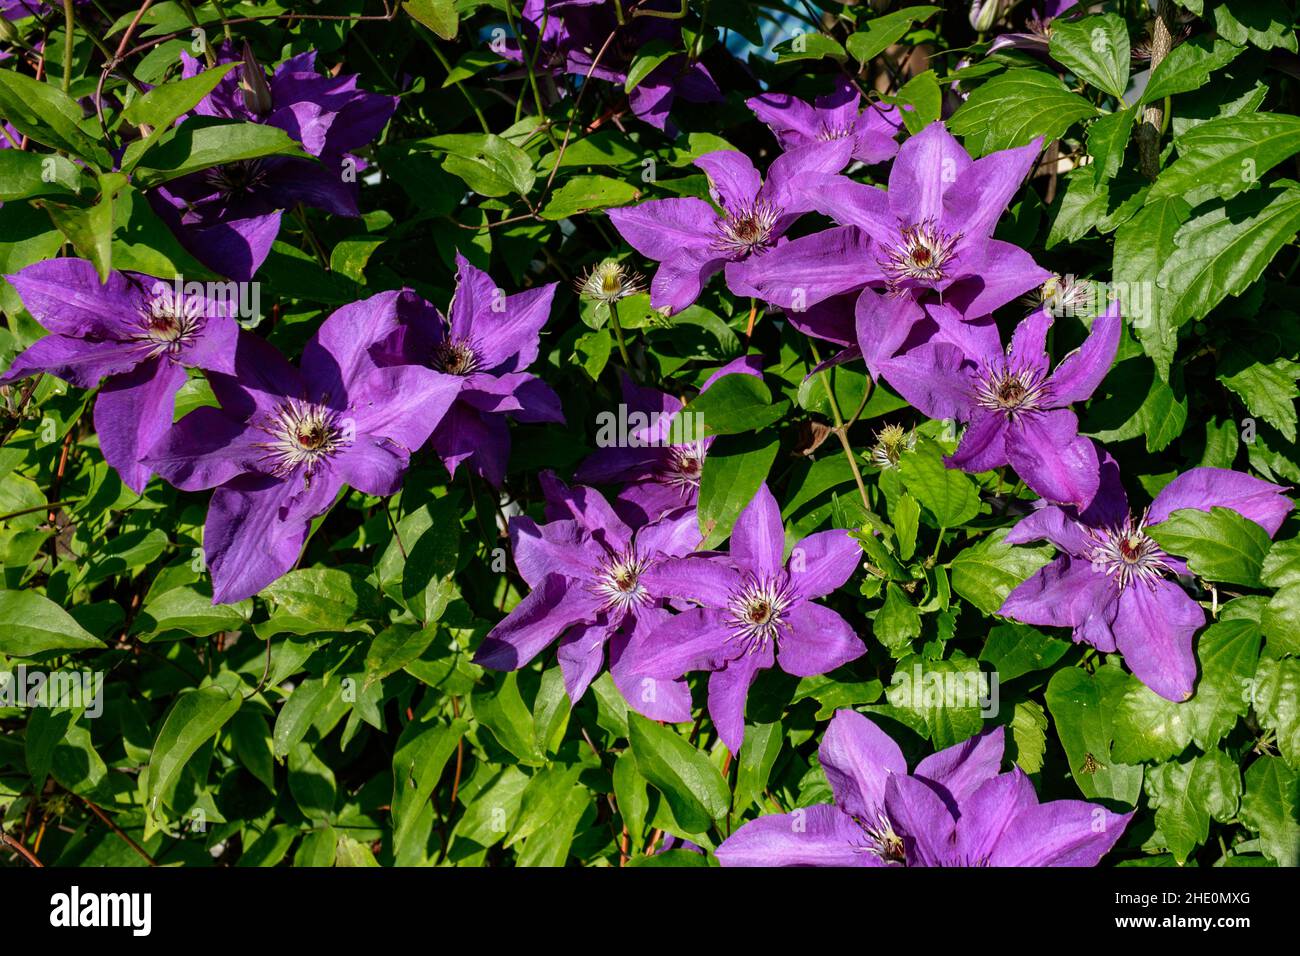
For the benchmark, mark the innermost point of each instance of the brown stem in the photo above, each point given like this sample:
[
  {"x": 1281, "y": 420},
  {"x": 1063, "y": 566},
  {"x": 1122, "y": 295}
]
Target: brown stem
[
  {"x": 107, "y": 821},
  {"x": 21, "y": 850},
  {"x": 1153, "y": 118}
]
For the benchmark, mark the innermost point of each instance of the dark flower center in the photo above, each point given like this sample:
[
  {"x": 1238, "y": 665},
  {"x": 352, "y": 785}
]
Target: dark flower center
[
  {"x": 1010, "y": 390},
  {"x": 748, "y": 230},
  {"x": 302, "y": 434},
  {"x": 755, "y": 612},
  {"x": 684, "y": 467},
  {"x": 618, "y": 580},
  {"x": 1126, "y": 553},
  {"x": 921, "y": 254},
  {"x": 169, "y": 324},
  {"x": 237, "y": 178},
  {"x": 455, "y": 357}
]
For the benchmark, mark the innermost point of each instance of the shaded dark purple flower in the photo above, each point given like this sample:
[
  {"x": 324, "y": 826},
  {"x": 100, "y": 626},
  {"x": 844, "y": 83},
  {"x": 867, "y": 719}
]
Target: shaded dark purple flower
[
  {"x": 692, "y": 241},
  {"x": 567, "y": 36},
  {"x": 588, "y": 573},
  {"x": 932, "y": 229},
  {"x": 229, "y": 216},
  {"x": 1036, "y": 38},
  {"x": 873, "y": 131},
  {"x": 661, "y": 474},
  {"x": 284, "y": 442},
  {"x": 485, "y": 347},
  {"x": 1110, "y": 580},
  {"x": 954, "y": 809},
  {"x": 1016, "y": 408},
  {"x": 136, "y": 334},
  {"x": 755, "y": 609}
]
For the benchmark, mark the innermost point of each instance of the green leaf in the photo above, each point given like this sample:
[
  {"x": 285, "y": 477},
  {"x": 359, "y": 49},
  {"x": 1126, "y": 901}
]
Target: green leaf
[
  {"x": 315, "y": 599},
  {"x": 1270, "y": 806},
  {"x": 471, "y": 63},
  {"x": 194, "y": 719},
  {"x": 161, "y": 106},
  {"x": 89, "y": 229},
  {"x": 24, "y": 175},
  {"x": 691, "y": 784},
  {"x": 631, "y": 794},
  {"x": 422, "y": 751},
  {"x": 1142, "y": 245},
  {"x": 1186, "y": 795},
  {"x": 897, "y": 622},
  {"x": 1028, "y": 736},
  {"x": 1223, "y": 157},
  {"x": 549, "y": 812},
  {"x": 808, "y": 46},
  {"x": 203, "y": 143},
  {"x": 32, "y": 624},
  {"x": 185, "y": 609},
  {"x": 1188, "y": 67},
  {"x": 986, "y": 573},
  {"x": 440, "y": 16},
  {"x": 1095, "y": 49},
  {"x": 502, "y": 710},
  {"x": 648, "y": 59},
  {"x": 949, "y": 495},
  {"x": 1267, "y": 389},
  {"x": 1107, "y": 140},
  {"x": 1082, "y": 707},
  {"x": 1267, "y": 24},
  {"x": 921, "y": 93},
  {"x": 733, "y": 470},
  {"x": 883, "y": 31},
  {"x": 1280, "y": 620},
  {"x": 905, "y": 513},
  {"x": 586, "y": 193},
  {"x": 1224, "y": 249},
  {"x": 757, "y": 758},
  {"x": 1011, "y": 109},
  {"x": 490, "y": 165},
  {"x": 1016, "y": 649},
  {"x": 1276, "y": 698},
  {"x": 1219, "y": 545},
  {"x": 733, "y": 404},
  {"x": 49, "y": 116}
]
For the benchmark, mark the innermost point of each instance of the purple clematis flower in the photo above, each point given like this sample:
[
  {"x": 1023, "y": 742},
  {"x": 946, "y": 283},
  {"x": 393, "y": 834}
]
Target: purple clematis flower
[
  {"x": 692, "y": 241},
  {"x": 754, "y": 609},
  {"x": 228, "y": 216},
  {"x": 485, "y": 348},
  {"x": 1037, "y": 35},
  {"x": 954, "y": 809},
  {"x": 662, "y": 475},
  {"x": 588, "y": 573},
  {"x": 873, "y": 131},
  {"x": 1109, "y": 581},
  {"x": 284, "y": 442},
  {"x": 135, "y": 333},
  {"x": 1017, "y": 410},
  {"x": 931, "y": 230},
  {"x": 567, "y": 36}
]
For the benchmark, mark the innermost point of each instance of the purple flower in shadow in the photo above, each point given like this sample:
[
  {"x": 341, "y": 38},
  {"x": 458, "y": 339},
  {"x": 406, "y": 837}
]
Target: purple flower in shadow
[
  {"x": 228, "y": 216},
  {"x": 754, "y": 609},
  {"x": 954, "y": 809},
  {"x": 485, "y": 347},
  {"x": 693, "y": 241},
  {"x": 285, "y": 441},
  {"x": 932, "y": 229},
  {"x": 135, "y": 334},
  {"x": 1109, "y": 581},
  {"x": 588, "y": 571},
  {"x": 661, "y": 474},
  {"x": 835, "y": 116},
  {"x": 1017, "y": 408},
  {"x": 570, "y": 35}
]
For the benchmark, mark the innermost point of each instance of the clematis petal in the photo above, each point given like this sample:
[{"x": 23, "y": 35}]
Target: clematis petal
[
  {"x": 819, "y": 641},
  {"x": 66, "y": 297},
  {"x": 934, "y": 378},
  {"x": 758, "y": 537},
  {"x": 988, "y": 811},
  {"x": 580, "y": 653},
  {"x": 1080, "y": 372},
  {"x": 1059, "y": 833},
  {"x": 803, "y": 272},
  {"x": 1063, "y": 593},
  {"x": 858, "y": 757},
  {"x": 812, "y": 836},
  {"x": 79, "y": 362},
  {"x": 928, "y": 165},
  {"x": 995, "y": 273},
  {"x": 654, "y": 697},
  {"x": 694, "y": 640},
  {"x": 883, "y": 324},
  {"x": 1205, "y": 488},
  {"x": 1047, "y": 451},
  {"x": 922, "y": 819},
  {"x": 728, "y": 690},
  {"x": 851, "y": 203},
  {"x": 535, "y": 623},
  {"x": 1154, "y": 628},
  {"x": 733, "y": 180},
  {"x": 660, "y": 228},
  {"x": 983, "y": 444},
  {"x": 822, "y": 562},
  {"x": 963, "y": 768},
  {"x": 680, "y": 278},
  {"x": 984, "y": 189},
  {"x": 705, "y": 580},
  {"x": 132, "y": 413},
  {"x": 205, "y": 449}
]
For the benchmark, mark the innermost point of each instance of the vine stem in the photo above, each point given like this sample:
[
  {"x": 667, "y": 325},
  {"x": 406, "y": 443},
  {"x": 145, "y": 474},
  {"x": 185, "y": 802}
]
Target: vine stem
[
  {"x": 841, "y": 432},
  {"x": 69, "y": 24},
  {"x": 21, "y": 850},
  {"x": 1155, "y": 119},
  {"x": 618, "y": 337}
]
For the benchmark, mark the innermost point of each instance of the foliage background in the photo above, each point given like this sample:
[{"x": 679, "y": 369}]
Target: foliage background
[{"x": 337, "y": 717}]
